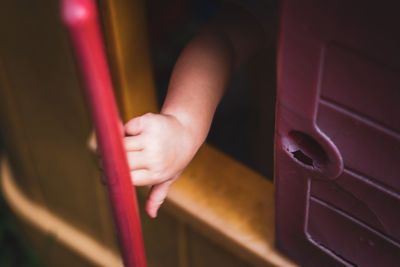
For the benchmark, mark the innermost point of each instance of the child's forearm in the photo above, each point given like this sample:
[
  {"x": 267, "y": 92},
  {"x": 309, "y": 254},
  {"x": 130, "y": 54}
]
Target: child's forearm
[
  {"x": 198, "y": 82},
  {"x": 204, "y": 69}
]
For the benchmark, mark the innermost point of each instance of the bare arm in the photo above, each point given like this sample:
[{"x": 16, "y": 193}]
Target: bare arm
[
  {"x": 163, "y": 144},
  {"x": 206, "y": 65}
]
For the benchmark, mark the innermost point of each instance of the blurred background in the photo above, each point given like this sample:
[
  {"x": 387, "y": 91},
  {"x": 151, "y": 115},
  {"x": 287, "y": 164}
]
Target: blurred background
[{"x": 14, "y": 249}]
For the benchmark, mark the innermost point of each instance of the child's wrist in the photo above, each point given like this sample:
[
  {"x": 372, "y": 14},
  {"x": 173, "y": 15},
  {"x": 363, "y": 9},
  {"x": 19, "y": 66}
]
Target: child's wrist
[{"x": 190, "y": 124}]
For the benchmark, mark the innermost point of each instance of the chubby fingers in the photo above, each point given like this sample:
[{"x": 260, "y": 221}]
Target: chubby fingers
[
  {"x": 134, "y": 147},
  {"x": 137, "y": 160},
  {"x": 140, "y": 161},
  {"x": 133, "y": 143}
]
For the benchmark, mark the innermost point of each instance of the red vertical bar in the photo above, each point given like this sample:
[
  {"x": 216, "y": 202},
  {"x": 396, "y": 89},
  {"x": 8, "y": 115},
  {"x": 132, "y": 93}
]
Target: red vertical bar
[{"x": 81, "y": 19}]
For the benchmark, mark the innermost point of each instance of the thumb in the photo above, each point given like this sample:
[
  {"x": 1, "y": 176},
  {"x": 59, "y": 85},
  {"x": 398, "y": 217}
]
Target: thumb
[{"x": 156, "y": 197}]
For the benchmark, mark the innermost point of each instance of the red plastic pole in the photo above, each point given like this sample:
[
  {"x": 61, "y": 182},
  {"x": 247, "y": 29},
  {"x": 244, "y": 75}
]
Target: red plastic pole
[{"x": 81, "y": 19}]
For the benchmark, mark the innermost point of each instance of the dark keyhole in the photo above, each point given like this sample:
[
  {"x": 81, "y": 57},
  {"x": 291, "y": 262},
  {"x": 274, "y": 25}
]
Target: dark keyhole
[
  {"x": 305, "y": 149},
  {"x": 299, "y": 155}
]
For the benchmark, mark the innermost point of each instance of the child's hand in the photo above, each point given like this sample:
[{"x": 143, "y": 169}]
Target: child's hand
[{"x": 158, "y": 149}]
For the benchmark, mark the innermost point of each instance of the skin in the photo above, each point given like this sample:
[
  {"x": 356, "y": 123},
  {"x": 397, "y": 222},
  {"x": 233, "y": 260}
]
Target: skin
[{"x": 160, "y": 146}]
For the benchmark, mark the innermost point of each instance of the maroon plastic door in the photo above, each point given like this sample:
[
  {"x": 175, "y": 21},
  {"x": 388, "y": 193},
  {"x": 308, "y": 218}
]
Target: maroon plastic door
[{"x": 338, "y": 133}]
